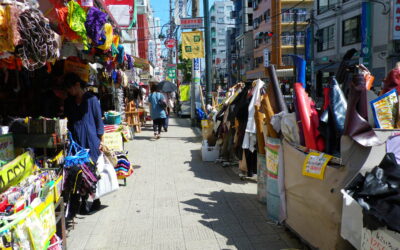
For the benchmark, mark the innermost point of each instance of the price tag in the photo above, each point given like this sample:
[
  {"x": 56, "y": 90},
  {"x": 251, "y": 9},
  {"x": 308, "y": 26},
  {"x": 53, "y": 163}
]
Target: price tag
[{"x": 315, "y": 164}]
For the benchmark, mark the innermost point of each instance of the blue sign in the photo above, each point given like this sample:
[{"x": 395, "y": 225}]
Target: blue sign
[
  {"x": 196, "y": 64},
  {"x": 365, "y": 32}
]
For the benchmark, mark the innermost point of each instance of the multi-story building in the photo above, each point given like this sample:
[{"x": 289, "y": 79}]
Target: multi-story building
[
  {"x": 220, "y": 13},
  {"x": 243, "y": 15},
  {"x": 231, "y": 56},
  {"x": 349, "y": 24},
  {"x": 261, "y": 37},
  {"x": 289, "y": 20}
]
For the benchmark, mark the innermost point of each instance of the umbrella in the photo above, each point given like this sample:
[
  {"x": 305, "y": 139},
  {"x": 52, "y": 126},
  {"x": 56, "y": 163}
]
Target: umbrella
[{"x": 167, "y": 87}]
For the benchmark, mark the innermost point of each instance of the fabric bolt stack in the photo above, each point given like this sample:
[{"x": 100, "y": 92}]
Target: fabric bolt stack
[{"x": 123, "y": 167}]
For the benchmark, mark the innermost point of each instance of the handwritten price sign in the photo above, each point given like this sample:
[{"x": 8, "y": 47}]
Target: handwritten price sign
[{"x": 315, "y": 164}]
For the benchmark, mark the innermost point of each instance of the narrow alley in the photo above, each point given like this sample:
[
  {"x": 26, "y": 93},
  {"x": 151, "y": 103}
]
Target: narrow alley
[{"x": 176, "y": 201}]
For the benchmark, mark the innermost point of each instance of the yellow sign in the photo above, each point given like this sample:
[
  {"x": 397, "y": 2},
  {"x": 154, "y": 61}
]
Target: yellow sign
[
  {"x": 184, "y": 92},
  {"x": 14, "y": 172},
  {"x": 113, "y": 141},
  {"x": 81, "y": 69},
  {"x": 192, "y": 45},
  {"x": 315, "y": 164}
]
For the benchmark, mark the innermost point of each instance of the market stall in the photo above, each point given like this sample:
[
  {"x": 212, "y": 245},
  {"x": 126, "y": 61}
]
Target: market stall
[
  {"x": 308, "y": 160},
  {"x": 43, "y": 42}
]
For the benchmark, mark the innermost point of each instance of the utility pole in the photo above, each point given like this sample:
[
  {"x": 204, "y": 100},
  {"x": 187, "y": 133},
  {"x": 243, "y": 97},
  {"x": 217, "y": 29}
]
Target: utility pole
[
  {"x": 313, "y": 85},
  {"x": 208, "y": 49},
  {"x": 171, "y": 30},
  {"x": 196, "y": 73},
  {"x": 295, "y": 40}
]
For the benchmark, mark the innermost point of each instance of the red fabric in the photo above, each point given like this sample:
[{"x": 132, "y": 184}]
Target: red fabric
[
  {"x": 65, "y": 30},
  {"x": 392, "y": 81},
  {"x": 326, "y": 98},
  {"x": 309, "y": 118}
]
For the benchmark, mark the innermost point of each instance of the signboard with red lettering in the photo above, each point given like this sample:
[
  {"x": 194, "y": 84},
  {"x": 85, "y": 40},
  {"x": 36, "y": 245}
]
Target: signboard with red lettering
[
  {"x": 396, "y": 20},
  {"x": 170, "y": 43},
  {"x": 192, "y": 23}
]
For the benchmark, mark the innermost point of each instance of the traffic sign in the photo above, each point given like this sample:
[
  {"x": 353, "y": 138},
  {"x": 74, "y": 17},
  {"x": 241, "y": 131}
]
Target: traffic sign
[{"x": 170, "y": 43}]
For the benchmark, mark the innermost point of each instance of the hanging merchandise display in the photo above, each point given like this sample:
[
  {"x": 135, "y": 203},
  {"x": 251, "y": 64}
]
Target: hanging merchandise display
[
  {"x": 108, "y": 30},
  {"x": 95, "y": 21},
  {"x": 76, "y": 20},
  {"x": 39, "y": 42}
]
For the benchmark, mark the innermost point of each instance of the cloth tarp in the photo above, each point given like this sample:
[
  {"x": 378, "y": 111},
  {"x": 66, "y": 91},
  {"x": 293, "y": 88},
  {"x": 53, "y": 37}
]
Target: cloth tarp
[{"x": 314, "y": 206}]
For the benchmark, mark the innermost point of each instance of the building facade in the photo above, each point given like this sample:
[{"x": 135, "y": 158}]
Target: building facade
[
  {"x": 353, "y": 24},
  {"x": 261, "y": 37},
  {"x": 220, "y": 14},
  {"x": 243, "y": 15}
]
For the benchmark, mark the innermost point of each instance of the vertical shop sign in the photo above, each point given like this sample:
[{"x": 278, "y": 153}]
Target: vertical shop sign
[
  {"x": 266, "y": 57},
  {"x": 366, "y": 33},
  {"x": 196, "y": 70},
  {"x": 396, "y": 20}
]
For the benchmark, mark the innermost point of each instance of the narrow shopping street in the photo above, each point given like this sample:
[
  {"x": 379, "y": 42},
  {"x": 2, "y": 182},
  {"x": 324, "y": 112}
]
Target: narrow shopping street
[{"x": 176, "y": 201}]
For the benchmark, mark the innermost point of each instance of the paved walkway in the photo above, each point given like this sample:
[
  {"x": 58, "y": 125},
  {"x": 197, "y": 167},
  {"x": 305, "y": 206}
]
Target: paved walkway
[{"x": 176, "y": 201}]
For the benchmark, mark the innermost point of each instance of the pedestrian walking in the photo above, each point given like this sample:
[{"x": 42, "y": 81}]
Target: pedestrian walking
[
  {"x": 170, "y": 107},
  {"x": 157, "y": 110},
  {"x": 83, "y": 111}
]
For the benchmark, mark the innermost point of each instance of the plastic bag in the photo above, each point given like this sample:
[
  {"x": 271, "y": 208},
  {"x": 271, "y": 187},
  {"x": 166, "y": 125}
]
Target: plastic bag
[
  {"x": 108, "y": 182},
  {"x": 77, "y": 155}
]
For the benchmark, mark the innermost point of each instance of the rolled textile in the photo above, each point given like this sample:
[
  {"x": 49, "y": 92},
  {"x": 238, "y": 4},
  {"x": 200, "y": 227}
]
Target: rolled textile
[
  {"x": 300, "y": 64},
  {"x": 309, "y": 119},
  {"x": 277, "y": 90},
  {"x": 356, "y": 124}
]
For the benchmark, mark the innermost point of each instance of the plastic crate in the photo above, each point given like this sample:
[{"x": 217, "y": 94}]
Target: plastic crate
[
  {"x": 209, "y": 153},
  {"x": 113, "y": 118}
]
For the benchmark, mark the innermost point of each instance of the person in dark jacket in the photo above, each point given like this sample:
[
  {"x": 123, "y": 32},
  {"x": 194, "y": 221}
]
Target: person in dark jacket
[{"x": 85, "y": 123}]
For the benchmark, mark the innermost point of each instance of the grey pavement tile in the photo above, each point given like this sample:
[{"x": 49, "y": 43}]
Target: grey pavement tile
[
  {"x": 198, "y": 232},
  {"x": 226, "y": 243},
  {"x": 136, "y": 239},
  {"x": 242, "y": 243},
  {"x": 169, "y": 245},
  {"x": 170, "y": 222},
  {"x": 278, "y": 245},
  {"x": 202, "y": 244},
  {"x": 100, "y": 242},
  {"x": 166, "y": 234}
]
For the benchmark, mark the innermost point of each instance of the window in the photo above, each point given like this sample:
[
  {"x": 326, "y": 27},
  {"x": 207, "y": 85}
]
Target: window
[
  {"x": 220, "y": 9},
  {"x": 250, "y": 19},
  {"x": 351, "y": 31},
  {"x": 221, "y": 42},
  {"x": 221, "y": 20},
  {"x": 325, "y": 5},
  {"x": 249, "y": 3},
  {"x": 326, "y": 38},
  {"x": 229, "y": 8}
]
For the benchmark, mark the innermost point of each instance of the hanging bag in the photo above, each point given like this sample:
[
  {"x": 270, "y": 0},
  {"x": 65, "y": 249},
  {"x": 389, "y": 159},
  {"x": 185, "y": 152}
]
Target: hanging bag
[
  {"x": 77, "y": 155},
  {"x": 108, "y": 182},
  {"x": 162, "y": 102}
]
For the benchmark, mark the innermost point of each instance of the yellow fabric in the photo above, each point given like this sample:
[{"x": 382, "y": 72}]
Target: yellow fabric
[
  {"x": 185, "y": 92},
  {"x": 76, "y": 20},
  {"x": 192, "y": 45},
  {"x": 108, "y": 30},
  {"x": 6, "y": 41}
]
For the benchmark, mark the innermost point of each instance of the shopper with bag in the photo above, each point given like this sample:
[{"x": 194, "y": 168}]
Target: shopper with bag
[
  {"x": 85, "y": 123},
  {"x": 158, "y": 112}
]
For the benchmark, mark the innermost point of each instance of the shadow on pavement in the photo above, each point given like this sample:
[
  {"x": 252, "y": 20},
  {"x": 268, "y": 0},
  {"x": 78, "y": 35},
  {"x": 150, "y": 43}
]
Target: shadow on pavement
[
  {"x": 210, "y": 170},
  {"x": 238, "y": 220}
]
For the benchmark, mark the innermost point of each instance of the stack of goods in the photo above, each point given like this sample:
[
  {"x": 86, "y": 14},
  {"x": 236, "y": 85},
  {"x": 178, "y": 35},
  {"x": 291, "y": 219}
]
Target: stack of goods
[
  {"x": 27, "y": 206},
  {"x": 123, "y": 167}
]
